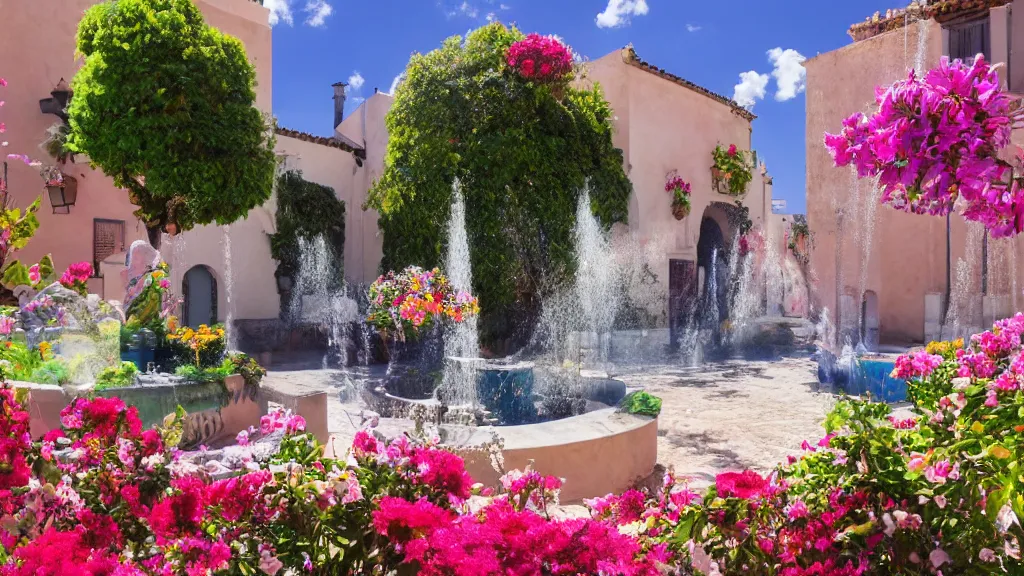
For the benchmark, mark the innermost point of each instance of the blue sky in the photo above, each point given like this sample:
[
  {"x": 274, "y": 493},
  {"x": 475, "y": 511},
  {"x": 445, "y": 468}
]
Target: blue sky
[{"x": 709, "y": 43}]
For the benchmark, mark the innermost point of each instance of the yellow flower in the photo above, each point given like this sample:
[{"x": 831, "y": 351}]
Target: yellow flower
[{"x": 45, "y": 350}]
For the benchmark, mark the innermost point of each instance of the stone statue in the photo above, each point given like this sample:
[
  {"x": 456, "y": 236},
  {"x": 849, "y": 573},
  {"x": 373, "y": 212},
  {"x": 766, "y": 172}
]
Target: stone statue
[{"x": 141, "y": 261}]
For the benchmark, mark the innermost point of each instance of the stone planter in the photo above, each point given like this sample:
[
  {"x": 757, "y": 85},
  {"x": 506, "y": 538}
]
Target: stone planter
[{"x": 415, "y": 365}]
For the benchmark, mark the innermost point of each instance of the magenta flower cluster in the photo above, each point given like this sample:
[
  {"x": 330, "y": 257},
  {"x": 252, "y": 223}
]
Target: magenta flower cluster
[
  {"x": 540, "y": 58},
  {"x": 76, "y": 277},
  {"x": 935, "y": 140}
]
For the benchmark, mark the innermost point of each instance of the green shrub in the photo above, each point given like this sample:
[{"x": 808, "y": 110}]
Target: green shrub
[
  {"x": 117, "y": 376},
  {"x": 51, "y": 372},
  {"x": 641, "y": 403}
]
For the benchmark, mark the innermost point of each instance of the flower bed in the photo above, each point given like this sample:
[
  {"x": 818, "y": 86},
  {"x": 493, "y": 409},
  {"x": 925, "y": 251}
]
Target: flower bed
[{"x": 937, "y": 493}]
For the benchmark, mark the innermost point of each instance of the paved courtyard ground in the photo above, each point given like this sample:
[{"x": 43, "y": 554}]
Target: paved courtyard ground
[{"x": 722, "y": 416}]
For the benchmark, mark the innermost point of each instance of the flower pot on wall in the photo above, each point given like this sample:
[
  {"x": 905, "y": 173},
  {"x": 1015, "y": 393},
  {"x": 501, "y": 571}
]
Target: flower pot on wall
[
  {"x": 718, "y": 179},
  {"x": 680, "y": 210}
]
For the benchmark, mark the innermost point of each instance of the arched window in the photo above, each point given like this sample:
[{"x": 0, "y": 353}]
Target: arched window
[{"x": 199, "y": 291}]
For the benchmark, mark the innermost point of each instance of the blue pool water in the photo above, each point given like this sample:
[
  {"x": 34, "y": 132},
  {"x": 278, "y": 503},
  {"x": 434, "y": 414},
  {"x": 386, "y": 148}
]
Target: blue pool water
[{"x": 871, "y": 376}]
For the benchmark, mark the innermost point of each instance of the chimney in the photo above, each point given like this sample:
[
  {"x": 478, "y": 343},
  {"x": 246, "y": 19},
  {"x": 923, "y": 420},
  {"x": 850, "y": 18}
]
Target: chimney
[{"x": 339, "y": 103}]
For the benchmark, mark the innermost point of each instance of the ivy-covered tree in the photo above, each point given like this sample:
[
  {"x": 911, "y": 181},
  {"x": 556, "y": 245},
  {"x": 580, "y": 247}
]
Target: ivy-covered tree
[
  {"x": 164, "y": 105},
  {"x": 500, "y": 113},
  {"x": 306, "y": 210}
]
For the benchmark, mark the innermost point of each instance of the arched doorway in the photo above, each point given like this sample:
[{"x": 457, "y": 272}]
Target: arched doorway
[
  {"x": 713, "y": 258},
  {"x": 199, "y": 290}
]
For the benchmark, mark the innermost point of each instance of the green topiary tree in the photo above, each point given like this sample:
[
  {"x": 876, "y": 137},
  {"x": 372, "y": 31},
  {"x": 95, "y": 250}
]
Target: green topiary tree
[
  {"x": 164, "y": 105},
  {"x": 306, "y": 210},
  {"x": 523, "y": 150}
]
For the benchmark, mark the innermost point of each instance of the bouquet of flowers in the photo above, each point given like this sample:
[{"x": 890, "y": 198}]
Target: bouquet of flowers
[{"x": 414, "y": 299}]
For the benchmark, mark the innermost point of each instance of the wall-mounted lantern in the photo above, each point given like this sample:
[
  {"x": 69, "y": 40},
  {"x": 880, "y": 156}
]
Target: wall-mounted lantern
[
  {"x": 61, "y": 189},
  {"x": 57, "y": 103}
]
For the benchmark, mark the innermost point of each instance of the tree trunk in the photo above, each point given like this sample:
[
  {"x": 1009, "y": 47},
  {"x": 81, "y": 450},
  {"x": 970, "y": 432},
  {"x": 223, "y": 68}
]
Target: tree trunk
[{"x": 154, "y": 236}]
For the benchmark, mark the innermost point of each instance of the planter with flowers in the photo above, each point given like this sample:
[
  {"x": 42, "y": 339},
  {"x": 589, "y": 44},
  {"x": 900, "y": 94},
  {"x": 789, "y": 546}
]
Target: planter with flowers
[
  {"x": 799, "y": 235},
  {"x": 680, "y": 190},
  {"x": 731, "y": 171},
  {"x": 408, "y": 309}
]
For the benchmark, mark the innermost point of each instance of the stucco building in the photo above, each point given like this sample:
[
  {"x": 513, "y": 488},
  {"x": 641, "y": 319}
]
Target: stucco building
[
  {"x": 883, "y": 274},
  {"x": 667, "y": 126},
  {"x": 100, "y": 226}
]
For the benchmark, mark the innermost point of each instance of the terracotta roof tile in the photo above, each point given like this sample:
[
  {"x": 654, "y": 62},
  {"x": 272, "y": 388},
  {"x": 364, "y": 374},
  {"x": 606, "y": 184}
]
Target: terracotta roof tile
[
  {"x": 629, "y": 56},
  {"x": 321, "y": 140},
  {"x": 941, "y": 10}
]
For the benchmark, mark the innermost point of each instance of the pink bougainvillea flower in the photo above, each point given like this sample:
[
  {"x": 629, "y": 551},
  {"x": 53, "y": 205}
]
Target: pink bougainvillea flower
[
  {"x": 747, "y": 485},
  {"x": 935, "y": 140}
]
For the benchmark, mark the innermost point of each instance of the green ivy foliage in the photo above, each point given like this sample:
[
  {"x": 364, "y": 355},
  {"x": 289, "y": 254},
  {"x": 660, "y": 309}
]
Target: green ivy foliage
[
  {"x": 163, "y": 104},
  {"x": 306, "y": 210},
  {"x": 641, "y": 403},
  {"x": 523, "y": 153}
]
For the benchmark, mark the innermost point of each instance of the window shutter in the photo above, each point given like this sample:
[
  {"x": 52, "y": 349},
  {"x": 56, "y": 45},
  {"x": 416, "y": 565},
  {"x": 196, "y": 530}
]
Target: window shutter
[
  {"x": 968, "y": 40},
  {"x": 107, "y": 239}
]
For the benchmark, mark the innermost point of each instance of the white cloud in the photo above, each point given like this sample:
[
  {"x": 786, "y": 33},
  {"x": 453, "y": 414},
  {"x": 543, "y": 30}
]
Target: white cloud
[
  {"x": 394, "y": 83},
  {"x": 318, "y": 11},
  {"x": 280, "y": 11},
  {"x": 505, "y": 7},
  {"x": 750, "y": 89},
  {"x": 356, "y": 81},
  {"x": 618, "y": 12},
  {"x": 692, "y": 28},
  {"x": 491, "y": 16},
  {"x": 464, "y": 9},
  {"x": 789, "y": 73}
]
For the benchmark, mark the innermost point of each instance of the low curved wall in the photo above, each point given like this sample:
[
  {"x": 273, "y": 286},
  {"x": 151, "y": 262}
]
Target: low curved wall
[{"x": 597, "y": 453}]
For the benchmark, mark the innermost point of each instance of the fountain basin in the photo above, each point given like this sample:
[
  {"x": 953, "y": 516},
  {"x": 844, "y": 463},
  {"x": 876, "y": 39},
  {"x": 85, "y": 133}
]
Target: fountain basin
[
  {"x": 597, "y": 453},
  {"x": 862, "y": 376},
  {"x": 217, "y": 412}
]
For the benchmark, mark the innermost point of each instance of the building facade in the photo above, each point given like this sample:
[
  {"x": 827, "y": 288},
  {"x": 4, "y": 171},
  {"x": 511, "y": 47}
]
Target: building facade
[
  {"x": 100, "y": 226},
  {"x": 883, "y": 274}
]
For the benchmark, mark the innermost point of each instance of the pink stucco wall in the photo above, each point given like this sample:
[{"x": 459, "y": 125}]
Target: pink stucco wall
[
  {"x": 901, "y": 257},
  {"x": 662, "y": 126},
  {"x": 43, "y": 32},
  {"x": 366, "y": 126}
]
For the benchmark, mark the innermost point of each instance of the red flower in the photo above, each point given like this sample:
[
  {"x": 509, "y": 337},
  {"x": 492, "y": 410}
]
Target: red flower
[
  {"x": 180, "y": 514},
  {"x": 732, "y": 150},
  {"x": 747, "y": 485},
  {"x": 443, "y": 471}
]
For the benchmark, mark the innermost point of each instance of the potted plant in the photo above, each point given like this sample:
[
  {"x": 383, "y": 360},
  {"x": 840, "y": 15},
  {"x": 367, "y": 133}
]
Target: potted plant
[
  {"x": 799, "y": 235},
  {"x": 731, "y": 171},
  {"x": 407, "y": 309},
  {"x": 680, "y": 190}
]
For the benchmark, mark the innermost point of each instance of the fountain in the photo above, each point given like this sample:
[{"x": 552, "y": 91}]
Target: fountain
[{"x": 319, "y": 299}]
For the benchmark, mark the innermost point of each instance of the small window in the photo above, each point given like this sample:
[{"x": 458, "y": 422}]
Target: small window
[
  {"x": 107, "y": 239},
  {"x": 968, "y": 39}
]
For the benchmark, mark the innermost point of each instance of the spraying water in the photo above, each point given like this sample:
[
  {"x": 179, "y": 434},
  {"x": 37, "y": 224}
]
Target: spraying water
[
  {"x": 597, "y": 277},
  {"x": 229, "y": 281},
  {"x": 461, "y": 340},
  {"x": 319, "y": 299},
  {"x": 774, "y": 284}
]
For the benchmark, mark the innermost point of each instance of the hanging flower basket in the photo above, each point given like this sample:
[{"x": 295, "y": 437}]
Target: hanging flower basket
[{"x": 680, "y": 190}]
